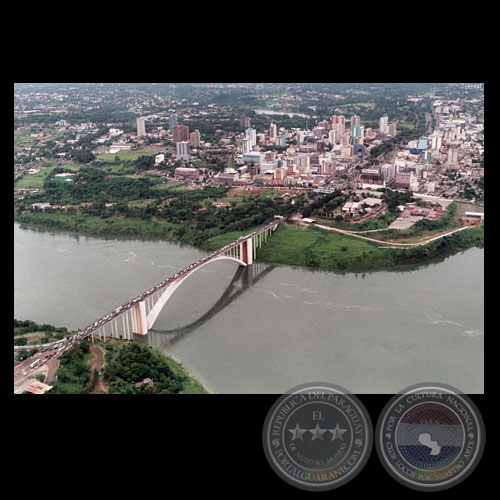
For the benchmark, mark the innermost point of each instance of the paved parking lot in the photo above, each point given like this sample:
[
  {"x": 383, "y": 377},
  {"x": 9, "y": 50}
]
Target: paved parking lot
[{"x": 404, "y": 222}]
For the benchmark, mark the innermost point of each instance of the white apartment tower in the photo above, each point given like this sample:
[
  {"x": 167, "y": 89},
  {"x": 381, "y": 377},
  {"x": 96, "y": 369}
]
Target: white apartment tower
[
  {"x": 384, "y": 124},
  {"x": 246, "y": 145},
  {"x": 332, "y": 137},
  {"x": 273, "y": 132},
  {"x": 141, "y": 126},
  {"x": 183, "y": 150},
  {"x": 251, "y": 133}
]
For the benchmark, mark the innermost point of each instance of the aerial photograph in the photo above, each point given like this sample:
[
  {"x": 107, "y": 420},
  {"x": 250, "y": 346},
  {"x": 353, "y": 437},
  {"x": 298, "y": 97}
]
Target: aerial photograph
[{"x": 246, "y": 238}]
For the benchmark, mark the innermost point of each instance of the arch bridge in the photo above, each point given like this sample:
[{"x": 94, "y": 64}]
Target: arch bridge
[{"x": 138, "y": 315}]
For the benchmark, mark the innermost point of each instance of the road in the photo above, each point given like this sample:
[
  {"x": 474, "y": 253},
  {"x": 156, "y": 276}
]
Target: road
[
  {"x": 24, "y": 374},
  {"x": 388, "y": 244}
]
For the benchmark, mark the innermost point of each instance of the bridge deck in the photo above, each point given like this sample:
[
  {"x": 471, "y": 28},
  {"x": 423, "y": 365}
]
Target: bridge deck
[{"x": 139, "y": 313}]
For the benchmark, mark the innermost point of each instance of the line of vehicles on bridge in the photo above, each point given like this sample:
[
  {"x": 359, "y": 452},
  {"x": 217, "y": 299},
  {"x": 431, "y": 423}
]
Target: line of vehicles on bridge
[
  {"x": 133, "y": 301},
  {"x": 52, "y": 350},
  {"x": 61, "y": 344}
]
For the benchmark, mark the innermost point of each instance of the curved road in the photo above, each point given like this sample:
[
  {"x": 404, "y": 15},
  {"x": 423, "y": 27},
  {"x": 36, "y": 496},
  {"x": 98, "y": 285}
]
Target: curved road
[{"x": 388, "y": 244}]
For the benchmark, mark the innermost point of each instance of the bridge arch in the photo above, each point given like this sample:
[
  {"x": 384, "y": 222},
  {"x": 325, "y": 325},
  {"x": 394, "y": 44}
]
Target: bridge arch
[
  {"x": 170, "y": 290},
  {"x": 139, "y": 314}
]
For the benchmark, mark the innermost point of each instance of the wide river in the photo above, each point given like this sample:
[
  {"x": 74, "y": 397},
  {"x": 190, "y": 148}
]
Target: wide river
[{"x": 272, "y": 327}]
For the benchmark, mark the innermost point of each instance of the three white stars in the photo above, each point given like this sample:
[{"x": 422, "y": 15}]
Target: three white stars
[{"x": 317, "y": 433}]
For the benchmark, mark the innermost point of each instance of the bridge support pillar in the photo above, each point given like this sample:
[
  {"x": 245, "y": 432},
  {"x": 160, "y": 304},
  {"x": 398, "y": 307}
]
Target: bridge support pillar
[
  {"x": 248, "y": 251},
  {"x": 139, "y": 322}
]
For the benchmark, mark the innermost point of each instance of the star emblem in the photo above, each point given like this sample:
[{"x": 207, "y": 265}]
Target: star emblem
[
  {"x": 337, "y": 433},
  {"x": 317, "y": 433},
  {"x": 297, "y": 433}
]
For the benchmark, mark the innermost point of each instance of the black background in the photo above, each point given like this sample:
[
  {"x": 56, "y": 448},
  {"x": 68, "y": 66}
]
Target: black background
[{"x": 206, "y": 444}]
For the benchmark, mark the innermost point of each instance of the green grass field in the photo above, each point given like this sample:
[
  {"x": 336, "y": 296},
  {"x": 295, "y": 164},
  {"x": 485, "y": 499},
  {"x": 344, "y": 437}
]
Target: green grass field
[
  {"x": 35, "y": 181},
  {"x": 309, "y": 246},
  {"x": 127, "y": 155}
]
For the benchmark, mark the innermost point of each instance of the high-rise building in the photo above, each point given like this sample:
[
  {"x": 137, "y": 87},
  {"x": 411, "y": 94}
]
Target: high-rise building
[
  {"x": 332, "y": 137},
  {"x": 141, "y": 126},
  {"x": 273, "y": 132},
  {"x": 355, "y": 121},
  {"x": 172, "y": 120},
  {"x": 251, "y": 133},
  {"x": 384, "y": 125},
  {"x": 180, "y": 133},
  {"x": 345, "y": 139},
  {"x": 279, "y": 174},
  {"x": 303, "y": 163},
  {"x": 403, "y": 180},
  {"x": 319, "y": 131},
  {"x": 182, "y": 149},
  {"x": 246, "y": 145},
  {"x": 393, "y": 126},
  {"x": 338, "y": 124},
  {"x": 244, "y": 121},
  {"x": 194, "y": 139},
  {"x": 388, "y": 170},
  {"x": 281, "y": 141},
  {"x": 326, "y": 166},
  {"x": 356, "y": 131},
  {"x": 426, "y": 157},
  {"x": 369, "y": 133}
]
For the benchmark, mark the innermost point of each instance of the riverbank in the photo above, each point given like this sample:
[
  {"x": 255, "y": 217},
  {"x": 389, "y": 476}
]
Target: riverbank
[
  {"x": 312, "y": 247},
  {"x": 372, "y": 331},
  {"x": 291, "y": 244}
]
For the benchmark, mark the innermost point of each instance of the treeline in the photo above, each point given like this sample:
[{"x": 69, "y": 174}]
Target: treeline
[
  {"x": 187, "y": 216},
  {"x": 26, "y": 326},
  {"x": 448, "y": 245}
]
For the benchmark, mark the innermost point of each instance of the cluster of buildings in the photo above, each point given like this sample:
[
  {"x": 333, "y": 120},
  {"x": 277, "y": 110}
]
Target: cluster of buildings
[
  {"x": 332, "y": 155},
  {"x": 288, "y": 157},
  {"x": 432, "y": 164}
]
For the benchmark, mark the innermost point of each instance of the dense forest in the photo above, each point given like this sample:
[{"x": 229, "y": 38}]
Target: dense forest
[
  {"x": 187, "y": 216},
  {"x": 130, "y": 368}
]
